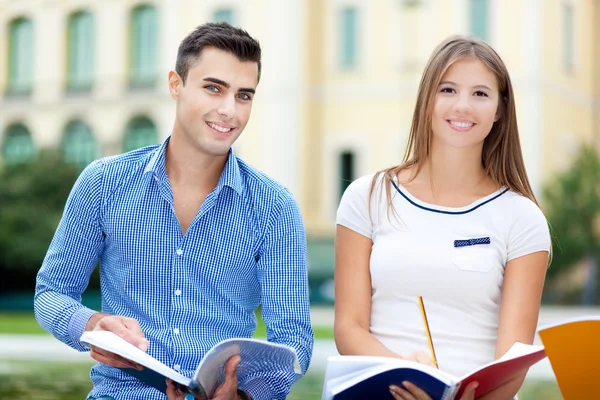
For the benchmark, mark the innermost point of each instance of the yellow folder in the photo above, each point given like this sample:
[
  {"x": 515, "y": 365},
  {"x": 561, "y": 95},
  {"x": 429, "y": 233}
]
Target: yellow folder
[{"x": 573, "y": 348}]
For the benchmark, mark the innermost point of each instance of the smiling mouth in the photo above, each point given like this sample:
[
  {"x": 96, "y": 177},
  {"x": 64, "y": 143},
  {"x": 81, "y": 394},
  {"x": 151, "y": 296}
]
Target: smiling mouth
[
  {"x": 461, "y": 126},
  {"x": 219, "y": 128}
]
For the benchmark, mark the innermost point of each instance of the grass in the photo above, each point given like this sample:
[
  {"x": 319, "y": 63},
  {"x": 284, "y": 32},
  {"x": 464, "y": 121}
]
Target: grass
[
  {"x": 70, "y": 381},
  {"x": 25, "y": 324},
  {"x": 19, "y": 323}
]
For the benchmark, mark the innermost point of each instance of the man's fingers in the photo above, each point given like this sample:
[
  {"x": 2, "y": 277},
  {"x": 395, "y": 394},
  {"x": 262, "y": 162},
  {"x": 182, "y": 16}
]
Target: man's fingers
[
  {"x": 112, "y": 359},
  {"x": 127, "y": 328},
  {"x": 231, "y": 366},
  {"x": 174, "y": 392},
  {"x": 134, "y": 326},
  {"x": 171, "y": 391}
]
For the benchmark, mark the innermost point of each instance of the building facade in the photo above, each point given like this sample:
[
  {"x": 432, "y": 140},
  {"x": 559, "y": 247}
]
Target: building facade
[{"x": 339, "y": 81}]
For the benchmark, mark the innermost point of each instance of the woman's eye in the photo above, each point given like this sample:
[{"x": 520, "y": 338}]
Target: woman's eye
[
  {"x": 447, "y": 90},
  {"x": 480, "y": 94}
]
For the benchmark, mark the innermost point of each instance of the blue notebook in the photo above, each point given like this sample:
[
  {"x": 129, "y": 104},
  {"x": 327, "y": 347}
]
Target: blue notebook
[
  {"x": 364, "y": 377},
  {"x": 257, "y": 356}
]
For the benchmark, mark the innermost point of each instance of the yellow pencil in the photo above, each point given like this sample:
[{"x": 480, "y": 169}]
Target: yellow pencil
[{"x": 428, "y": 332}]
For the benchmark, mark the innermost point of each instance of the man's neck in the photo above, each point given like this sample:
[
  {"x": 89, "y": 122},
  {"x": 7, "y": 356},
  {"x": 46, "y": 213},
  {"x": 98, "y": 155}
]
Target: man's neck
[{"x": 188, "y": 167}]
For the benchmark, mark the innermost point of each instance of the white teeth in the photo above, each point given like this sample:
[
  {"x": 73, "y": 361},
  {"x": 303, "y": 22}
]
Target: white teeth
[
  {"x": 461, "y": 124},
  {"x": 219, "y": 128}
]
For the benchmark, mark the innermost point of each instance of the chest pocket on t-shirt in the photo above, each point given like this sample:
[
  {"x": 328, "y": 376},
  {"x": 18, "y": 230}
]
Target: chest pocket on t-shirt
[{"x": 479, "y": 258}]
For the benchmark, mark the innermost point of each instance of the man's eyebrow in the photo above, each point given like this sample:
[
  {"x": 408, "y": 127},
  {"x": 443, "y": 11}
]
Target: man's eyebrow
[
  {"x": 474, "y": 87},
  {"x": 227, "y": 85},
  {"x": 217, "y": 81}
]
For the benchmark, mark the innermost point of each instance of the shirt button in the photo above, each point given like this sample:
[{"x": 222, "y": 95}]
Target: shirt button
[
  {"x": 178, "y": 292},
  {"x": 177, "y": 367},
  {"x": 176, "y": 331},
  {"x": 179, "y": 252}
]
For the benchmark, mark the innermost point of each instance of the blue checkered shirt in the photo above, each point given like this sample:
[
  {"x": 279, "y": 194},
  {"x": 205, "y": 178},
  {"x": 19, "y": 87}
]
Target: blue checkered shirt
[{"x": 246, "y": 247}]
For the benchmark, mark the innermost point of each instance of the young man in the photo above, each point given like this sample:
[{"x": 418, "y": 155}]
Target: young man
[{"x": 190, "y": 239}]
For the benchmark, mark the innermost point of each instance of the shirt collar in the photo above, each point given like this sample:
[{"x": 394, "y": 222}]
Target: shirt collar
[{"x": 231, "y": 175}]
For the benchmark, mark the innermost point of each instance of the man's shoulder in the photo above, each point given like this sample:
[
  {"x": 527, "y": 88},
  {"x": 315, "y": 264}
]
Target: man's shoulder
[
  {"x": 130, "y": 159},
  {"x": 113, "y": 171},
  {"x": 262, "y": 184}
]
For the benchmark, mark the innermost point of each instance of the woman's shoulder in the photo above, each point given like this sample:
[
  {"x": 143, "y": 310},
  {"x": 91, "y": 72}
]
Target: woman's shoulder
[
  {"x": 362, "y": 186},
  {"x": 522, "y": 209}
]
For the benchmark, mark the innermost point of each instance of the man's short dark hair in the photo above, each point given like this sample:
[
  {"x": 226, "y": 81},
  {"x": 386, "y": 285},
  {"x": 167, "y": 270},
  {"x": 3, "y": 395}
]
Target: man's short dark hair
[{"x": 219, "y": 35}]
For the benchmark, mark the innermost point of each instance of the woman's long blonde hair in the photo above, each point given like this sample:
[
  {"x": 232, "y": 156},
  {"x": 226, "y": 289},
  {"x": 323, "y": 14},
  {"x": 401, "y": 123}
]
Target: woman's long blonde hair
[{"x": 501, "y": 157}]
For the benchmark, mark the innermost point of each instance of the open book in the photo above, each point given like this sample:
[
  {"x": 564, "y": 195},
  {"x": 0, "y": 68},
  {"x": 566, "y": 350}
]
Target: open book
[
  {"x": 364, "y": 377},
  {"x": 257, "y": 356},
  {"x": 573, "y": 349}
]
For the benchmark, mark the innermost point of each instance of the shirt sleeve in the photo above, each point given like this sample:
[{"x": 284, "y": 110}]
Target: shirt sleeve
[
  {"x": 529, "y": 232},
  {"x": 283, "y": 276},
  {"x": 353, "y": 211},
  {"x": 72, "y": 256}
]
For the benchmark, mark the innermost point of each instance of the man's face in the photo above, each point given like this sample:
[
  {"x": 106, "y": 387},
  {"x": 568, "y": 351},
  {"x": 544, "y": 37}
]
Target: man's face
[{"x": 213, "y": 107}]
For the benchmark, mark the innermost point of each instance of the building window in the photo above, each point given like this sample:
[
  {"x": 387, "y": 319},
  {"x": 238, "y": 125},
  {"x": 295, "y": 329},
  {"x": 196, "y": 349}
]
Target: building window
[
  {"x": 80, "y": 52},
  {"x": 568, "y": 37},
  {"x": 140, "y": 132},
  {"x": 479, "y": 18},
  {"x": 348, "y": 38},
  {"x": 346, "y": 168},
  {"x": 20, "y": 57},
  {"x": 224, "y": 15},
  {"x": 143, "y": 46},
  {"x": 79, "y": 146},
  {"x": 17, "y": 147}
]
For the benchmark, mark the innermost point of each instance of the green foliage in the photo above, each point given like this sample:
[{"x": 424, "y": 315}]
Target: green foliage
[
  {"x": 572, "y": 206},
  {"x": 32, "y": 198}
]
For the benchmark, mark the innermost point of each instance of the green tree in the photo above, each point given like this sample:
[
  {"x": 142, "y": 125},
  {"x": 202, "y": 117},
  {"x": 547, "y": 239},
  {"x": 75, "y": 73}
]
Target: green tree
[
  {"x": 572, "y": 206},
  {"x": 32, "y": 199}
]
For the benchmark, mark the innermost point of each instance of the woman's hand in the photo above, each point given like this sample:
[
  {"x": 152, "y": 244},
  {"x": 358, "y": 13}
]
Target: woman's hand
[
  {"x": 412, "y": 392},
  {"x": 420, "y": 356}
]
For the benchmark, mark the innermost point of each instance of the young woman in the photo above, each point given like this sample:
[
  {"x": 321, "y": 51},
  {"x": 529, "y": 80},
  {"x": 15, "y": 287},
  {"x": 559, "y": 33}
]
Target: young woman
[{"x": 456, "y": 223}]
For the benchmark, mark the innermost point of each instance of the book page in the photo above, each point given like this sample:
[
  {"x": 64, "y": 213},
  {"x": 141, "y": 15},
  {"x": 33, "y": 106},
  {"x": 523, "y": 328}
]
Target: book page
[
  {"x": 518, "y": 350},
  {"x": 111, "y": 342},
  {"x": 257, "y": 356},
  {"x": 345, "y": 365},
  {"x": 373, "y": 381}
]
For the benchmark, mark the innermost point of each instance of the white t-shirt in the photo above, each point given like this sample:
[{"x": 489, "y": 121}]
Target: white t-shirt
[{"x": 453, "y": 257}]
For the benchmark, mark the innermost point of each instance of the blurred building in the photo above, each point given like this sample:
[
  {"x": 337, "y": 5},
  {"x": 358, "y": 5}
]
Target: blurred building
[{"x": 338, "y": 87}]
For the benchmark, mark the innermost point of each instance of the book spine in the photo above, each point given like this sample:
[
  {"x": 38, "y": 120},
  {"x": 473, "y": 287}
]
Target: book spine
[{"x": 450, "y": 392}]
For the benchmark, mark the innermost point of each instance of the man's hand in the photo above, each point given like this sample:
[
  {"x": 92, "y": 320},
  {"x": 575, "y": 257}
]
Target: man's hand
[
  {"x": 226, "y": 391},
  {"x": 127, "y": 328}
]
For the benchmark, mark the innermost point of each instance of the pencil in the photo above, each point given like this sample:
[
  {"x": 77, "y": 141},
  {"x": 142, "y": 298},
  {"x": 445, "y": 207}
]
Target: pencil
[{"x": 428, "y": 332}]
